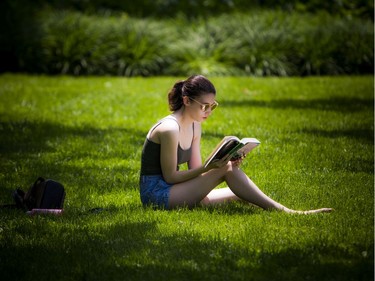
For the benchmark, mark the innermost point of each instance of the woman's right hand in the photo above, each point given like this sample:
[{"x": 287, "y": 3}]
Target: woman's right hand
[{"x": 219, "y": 163}]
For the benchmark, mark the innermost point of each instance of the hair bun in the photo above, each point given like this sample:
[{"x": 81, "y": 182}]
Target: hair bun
[{"x": 179, "y": 87}]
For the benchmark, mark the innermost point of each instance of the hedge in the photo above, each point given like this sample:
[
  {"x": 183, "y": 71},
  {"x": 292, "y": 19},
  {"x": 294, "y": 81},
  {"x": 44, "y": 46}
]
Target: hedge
[{"x": 261, "y": 44}]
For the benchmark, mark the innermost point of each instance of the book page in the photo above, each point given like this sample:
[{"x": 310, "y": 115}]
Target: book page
[
  {"x": 233, "y": 146},
  {"x": 244, "y": 150},
  {"x": 222, "y": 149}
]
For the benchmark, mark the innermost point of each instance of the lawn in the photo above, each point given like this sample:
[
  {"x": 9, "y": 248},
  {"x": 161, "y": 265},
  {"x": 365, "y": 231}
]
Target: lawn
[{"x": 317, "y": 150}]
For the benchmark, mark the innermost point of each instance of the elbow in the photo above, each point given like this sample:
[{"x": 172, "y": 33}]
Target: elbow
[{"x": 171, "y": 179}]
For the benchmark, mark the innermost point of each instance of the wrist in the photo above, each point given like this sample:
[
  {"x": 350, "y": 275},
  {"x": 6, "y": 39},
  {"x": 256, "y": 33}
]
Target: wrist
[{"x": 204, "y": 169}]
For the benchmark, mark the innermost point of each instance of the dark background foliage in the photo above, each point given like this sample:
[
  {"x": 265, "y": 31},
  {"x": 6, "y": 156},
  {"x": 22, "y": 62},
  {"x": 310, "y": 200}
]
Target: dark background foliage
[{"x": 25, "y": 38}]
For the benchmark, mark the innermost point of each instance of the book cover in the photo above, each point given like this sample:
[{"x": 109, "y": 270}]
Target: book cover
[{"x": 234, "y": 146}]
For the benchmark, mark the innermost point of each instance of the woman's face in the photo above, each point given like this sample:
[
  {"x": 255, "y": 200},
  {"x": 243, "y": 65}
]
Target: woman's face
[{"x": 201, "y": 107}]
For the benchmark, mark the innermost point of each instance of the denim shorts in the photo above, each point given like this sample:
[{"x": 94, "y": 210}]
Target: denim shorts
[{"x": 154, "y": 191}]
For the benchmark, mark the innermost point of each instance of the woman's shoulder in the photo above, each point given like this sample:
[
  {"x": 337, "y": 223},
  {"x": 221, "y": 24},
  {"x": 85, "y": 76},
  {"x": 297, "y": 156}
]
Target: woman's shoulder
[
  {"x": 168, "y": 124},
  {"x": 163, "y": 125}
]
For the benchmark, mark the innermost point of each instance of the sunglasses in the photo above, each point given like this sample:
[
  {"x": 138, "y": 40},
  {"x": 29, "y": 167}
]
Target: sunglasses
[{"x": 206, "y": 106}]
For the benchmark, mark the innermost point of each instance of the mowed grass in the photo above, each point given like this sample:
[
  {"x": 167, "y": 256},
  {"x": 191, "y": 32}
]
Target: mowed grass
[{"x": 317, "y": 151}]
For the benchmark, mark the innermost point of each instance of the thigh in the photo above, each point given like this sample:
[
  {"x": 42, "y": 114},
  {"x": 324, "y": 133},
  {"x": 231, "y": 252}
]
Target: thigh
[{"x": 191, "y": 192}]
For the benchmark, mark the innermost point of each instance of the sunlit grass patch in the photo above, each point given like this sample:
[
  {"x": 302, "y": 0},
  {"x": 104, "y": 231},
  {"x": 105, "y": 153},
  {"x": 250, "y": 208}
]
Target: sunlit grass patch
[{"x": 316, "y": 151}]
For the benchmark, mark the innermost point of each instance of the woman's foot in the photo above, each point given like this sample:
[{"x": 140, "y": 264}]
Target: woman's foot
[{"x": 322, "y": 210}]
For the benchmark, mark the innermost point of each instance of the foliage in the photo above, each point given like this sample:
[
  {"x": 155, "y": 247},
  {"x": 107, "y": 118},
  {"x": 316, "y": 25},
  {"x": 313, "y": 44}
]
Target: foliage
[
  {"x": 261, "y": 44},
  {"x": 317, "y": 151},
  {"x": 197, "y": 8},
  {"x": 28, "y": 42},
  {"x": 79, "y": 44}
]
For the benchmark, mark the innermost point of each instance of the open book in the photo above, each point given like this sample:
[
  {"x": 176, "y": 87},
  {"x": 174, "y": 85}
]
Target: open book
[{"x": 231, "y": 145}]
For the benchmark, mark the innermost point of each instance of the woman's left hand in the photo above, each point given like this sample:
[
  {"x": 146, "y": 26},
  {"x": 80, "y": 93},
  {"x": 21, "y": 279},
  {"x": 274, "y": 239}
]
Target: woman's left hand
[{"x": 238, "y": 161}]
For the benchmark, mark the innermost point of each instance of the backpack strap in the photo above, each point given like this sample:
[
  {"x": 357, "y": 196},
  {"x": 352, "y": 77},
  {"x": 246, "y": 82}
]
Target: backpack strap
[{"x": 33, "y": 196}]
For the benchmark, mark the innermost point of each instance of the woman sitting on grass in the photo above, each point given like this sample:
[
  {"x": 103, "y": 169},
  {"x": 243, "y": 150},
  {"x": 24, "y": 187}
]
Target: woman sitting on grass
[{"x": 175, "y": 140}]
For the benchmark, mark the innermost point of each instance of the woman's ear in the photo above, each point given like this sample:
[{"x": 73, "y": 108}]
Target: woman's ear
[{"x": 186, "y": 100}]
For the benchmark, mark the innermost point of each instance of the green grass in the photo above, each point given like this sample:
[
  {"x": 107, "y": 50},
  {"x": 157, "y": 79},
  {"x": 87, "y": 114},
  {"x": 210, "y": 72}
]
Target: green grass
[{"x": 317, "y": 151}]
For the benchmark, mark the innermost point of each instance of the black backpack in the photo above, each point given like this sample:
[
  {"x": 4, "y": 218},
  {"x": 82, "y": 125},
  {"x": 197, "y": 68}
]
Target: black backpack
[{"x": 43, "y": 194}]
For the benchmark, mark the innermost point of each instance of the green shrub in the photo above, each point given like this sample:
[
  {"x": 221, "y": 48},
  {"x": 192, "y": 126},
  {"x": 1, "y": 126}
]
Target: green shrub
[
  {"x": 129, "y": 47},
  {"x": 261, "y": 44},
  {"x": 74, "y": 43},
  {"x": 199, "y": 8},
  {"x": 337, "y": 46},
  {"x": 203, "y": 47},
  {"x": 67, "y": 43},
  {"x": 274, "y": 43}
]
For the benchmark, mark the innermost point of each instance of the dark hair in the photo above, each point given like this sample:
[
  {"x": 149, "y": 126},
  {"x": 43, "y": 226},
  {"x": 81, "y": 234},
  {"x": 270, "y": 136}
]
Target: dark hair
[{"x": 192, "y": 87}]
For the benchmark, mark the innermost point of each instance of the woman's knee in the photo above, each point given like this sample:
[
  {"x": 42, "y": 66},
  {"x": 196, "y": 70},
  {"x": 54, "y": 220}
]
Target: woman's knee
[
  {"x": 221, "y": 172},
  {"x": 228, "y": 167},
  {"x": 228, "y": 170}
]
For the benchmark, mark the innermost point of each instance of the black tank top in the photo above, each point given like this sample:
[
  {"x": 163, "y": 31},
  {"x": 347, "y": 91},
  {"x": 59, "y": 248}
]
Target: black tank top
[{"x": 150, "y": 164}]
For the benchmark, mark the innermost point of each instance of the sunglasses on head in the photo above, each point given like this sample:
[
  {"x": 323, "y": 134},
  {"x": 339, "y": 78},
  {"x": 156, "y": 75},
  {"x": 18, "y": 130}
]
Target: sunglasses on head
[{"x": 206, "y": 106}]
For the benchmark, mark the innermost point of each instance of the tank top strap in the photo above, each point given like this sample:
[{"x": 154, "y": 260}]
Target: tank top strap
[
  {"x": 175, "y": 119},
  {"x": 161, "y": 121},
  {"x": 179, "y": 128},
  {"x": 172, "y": 118}
]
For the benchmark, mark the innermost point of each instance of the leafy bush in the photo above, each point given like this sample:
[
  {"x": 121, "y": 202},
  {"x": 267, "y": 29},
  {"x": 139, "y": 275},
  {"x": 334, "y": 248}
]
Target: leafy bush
[
  {"x": 261, "y": 44},
  {"x": 277, "y": 43},
  {"x": 203, "y": 47},
  {"x": 68, "y": 41},
  {"x": 79, "y": 44},
  {"x": 198, "y": 8},
  {"x": 351, "y": 51},
  {"x": 130, "y": 47}
]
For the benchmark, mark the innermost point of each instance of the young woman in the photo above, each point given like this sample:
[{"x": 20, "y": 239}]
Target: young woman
[{"x": 175, "y": 139}]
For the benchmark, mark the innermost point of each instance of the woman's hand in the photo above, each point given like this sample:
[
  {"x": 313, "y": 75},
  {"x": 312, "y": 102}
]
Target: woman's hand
[
  {"x": 238, "y": 161},
  {"x": 216, "y": 164}
]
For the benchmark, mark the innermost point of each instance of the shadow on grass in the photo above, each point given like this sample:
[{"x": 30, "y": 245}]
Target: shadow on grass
[
  {"x": 139, "y": 251},
  {"x": 340, "y": 104},
  {"x": 28, "y": 137},
  {"x": 75, "y": 156},
  {"x": 366, "y": 135}
]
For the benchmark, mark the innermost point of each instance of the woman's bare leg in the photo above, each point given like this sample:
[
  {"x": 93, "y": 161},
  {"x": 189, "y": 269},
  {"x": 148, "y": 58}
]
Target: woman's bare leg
[
  {"x": 194, "y": 191},
  {"x": 246, "y": 189},
  {"x": 191, "y": 192},
  {"x": 219, "y": 196}
]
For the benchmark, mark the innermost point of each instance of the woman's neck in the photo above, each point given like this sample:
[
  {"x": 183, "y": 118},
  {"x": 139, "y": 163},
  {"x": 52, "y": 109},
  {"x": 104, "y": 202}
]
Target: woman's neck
[{"x": 183, "y": 119}]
